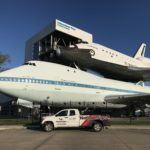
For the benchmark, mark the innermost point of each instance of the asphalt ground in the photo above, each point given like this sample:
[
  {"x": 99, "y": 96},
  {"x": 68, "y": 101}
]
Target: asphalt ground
[{"x": 75, "y": 139}]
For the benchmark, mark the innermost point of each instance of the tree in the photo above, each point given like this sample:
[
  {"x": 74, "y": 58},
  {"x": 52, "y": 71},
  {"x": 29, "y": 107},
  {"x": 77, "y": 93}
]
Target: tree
[{"x": 4, "y": 59}]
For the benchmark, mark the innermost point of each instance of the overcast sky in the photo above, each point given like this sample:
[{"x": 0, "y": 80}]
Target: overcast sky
[{"x": 119, "y": 24}]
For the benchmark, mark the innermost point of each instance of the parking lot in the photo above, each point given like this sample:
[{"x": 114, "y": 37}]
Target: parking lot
[{"x": 73, "y": 139}]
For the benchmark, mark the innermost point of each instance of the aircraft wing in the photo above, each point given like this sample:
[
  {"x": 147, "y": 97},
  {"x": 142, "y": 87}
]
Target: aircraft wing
[{"x": 128, "y": 99}]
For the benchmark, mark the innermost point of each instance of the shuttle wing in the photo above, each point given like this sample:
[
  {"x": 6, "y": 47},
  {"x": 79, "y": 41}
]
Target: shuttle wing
[
  {"x": 142, "y": 70},
  {"x": 144, "y": 73},
  {"x": 128, "y": 99},
  {"x": 84, "y": 58}
]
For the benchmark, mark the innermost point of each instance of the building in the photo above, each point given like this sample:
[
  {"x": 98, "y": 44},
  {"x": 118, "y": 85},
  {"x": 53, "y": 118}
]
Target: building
[{"x": 55, "y": 33}]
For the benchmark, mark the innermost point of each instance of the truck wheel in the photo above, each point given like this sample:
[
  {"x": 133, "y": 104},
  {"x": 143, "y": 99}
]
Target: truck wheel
[
  {"x": 49, "y": 127},
  {"x": 97, "y": 126}
]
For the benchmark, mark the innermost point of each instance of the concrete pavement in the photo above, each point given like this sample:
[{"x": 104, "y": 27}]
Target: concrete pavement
[
  {"x": 8, "y": 127},
  {"x": 116, "y": 139}
]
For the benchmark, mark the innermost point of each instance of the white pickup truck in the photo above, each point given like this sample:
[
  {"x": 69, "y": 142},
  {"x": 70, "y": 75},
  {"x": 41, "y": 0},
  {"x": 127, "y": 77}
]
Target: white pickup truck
[{"x": 72, "y": 118}]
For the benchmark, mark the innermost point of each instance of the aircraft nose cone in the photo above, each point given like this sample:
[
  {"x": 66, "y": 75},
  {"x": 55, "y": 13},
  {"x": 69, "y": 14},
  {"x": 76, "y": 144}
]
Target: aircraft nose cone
[
  {"x": 0, "y": 85},
  {"x": 1, "y": 74},
  {"x": 4, "y": 82}
]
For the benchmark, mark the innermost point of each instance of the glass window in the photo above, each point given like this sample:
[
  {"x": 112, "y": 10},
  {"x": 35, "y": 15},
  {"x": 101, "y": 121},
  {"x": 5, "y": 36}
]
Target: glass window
[
  {"x": 23, "y": 80},
  {"x": 26, "y": 63},
  {"x": 62, "y": 113},
  {"x": 29, "y": 80},
  {"x": 72, "y": 113},
  {"x": 26, "y": 80}
]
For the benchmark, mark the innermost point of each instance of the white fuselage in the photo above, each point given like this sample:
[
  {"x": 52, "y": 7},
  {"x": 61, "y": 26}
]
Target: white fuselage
[
  {"x": 109, "y": 55},
  {"x": 57, "y": 84}
]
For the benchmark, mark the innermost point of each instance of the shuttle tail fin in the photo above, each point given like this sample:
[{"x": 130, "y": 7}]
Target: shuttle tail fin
[{"x": 141, "y": 51}]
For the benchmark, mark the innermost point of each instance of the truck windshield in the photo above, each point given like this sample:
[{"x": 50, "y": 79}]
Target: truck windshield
[{"x": 62, "y": 113}]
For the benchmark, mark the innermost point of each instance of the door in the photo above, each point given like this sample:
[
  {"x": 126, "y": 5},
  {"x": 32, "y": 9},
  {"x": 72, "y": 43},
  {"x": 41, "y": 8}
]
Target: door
[
  {"x": 61, "y": 119},
  {"x": 73, "y": 119}
]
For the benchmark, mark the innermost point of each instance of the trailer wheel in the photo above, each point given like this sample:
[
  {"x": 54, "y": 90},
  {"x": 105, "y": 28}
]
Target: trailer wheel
[
  {"x": 49, "y": 127},
  {"x": 97, "y": 126}
]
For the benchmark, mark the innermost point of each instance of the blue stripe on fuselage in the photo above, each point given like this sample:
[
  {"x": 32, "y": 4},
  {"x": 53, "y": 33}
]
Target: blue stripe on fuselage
[{"x": 64, "y": 83}]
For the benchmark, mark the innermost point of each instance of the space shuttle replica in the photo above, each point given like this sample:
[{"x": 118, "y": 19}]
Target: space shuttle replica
[
  {"x": 106, "y": 61},
  {"x": 62, "y": 69}
]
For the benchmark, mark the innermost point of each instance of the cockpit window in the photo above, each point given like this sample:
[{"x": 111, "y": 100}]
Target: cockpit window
[{"x": 29, "y": 63}]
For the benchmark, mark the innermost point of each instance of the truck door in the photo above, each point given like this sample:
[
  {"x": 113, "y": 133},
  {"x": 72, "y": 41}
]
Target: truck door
[
  {"x": 73, "y": 119},
  {"x": 61, "y": 119}
]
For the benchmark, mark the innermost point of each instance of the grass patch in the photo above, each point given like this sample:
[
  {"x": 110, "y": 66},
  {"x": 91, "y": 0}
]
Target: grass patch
[{"x": 140, "y": 121}]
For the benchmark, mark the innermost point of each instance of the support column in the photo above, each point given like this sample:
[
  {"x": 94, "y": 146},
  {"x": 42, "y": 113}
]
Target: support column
[{"x": 40, "y": 47}]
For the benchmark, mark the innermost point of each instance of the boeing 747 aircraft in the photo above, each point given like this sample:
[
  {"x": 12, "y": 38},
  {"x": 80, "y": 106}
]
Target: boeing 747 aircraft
[
  {"x": 56, "y": 84},
  {"x": 110, "y": 63}
]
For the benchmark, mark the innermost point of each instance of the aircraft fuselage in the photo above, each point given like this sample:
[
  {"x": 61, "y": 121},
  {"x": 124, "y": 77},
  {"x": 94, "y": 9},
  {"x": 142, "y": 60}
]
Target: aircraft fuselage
[{"x": 61, "y": 85}]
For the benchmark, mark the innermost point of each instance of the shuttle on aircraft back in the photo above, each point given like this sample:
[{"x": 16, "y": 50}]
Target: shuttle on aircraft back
[{"x": 108, "y": 62}]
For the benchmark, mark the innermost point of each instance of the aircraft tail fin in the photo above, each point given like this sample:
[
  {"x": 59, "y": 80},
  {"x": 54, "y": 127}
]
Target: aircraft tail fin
[
  {"x": 141, "y": 51},
  {"x": 141, "y": 83}
]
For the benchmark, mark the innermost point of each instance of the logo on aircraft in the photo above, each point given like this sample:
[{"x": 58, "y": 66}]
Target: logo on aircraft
[{"x": 92, "y": 52}]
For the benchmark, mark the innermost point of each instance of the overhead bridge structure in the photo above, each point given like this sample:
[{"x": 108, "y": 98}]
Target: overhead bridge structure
[{"x": 40, "y": 45}]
